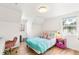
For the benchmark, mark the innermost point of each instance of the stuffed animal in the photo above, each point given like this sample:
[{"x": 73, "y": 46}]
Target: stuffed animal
[{"x": 59, "y": 35}]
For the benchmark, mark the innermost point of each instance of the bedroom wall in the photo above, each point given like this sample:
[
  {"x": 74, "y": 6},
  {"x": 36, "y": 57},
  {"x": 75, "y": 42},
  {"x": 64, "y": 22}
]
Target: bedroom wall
[
  {"x": 10, "y": 18},
  {"x": 9, "y": 29},
  {"x": 55, "y": 23},
  {"x": 36, "y": 28},
  {"x": 32, "y": 29},
  {"x": 52, "y": 24},
  {"x": 28, "y": 28}
]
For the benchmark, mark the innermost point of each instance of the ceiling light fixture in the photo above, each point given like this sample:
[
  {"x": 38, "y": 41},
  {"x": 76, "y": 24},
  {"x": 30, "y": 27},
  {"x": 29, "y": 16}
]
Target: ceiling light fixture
[{"x": 43, "y": 9}]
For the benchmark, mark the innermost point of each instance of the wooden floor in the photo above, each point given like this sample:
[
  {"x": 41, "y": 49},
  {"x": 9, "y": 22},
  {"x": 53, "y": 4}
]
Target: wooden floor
[{"x": 24, "y": 50}]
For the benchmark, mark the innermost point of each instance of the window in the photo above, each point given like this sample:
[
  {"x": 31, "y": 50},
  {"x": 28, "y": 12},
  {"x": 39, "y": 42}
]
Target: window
[{"x": 69, "y": 24}]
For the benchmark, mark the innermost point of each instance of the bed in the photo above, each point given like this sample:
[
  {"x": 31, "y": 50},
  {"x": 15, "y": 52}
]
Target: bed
[{"x": 40, "y": 45}]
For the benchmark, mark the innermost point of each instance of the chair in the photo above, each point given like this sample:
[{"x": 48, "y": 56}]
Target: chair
[
  {"x": 10, "y": 44},
  {"x": 61, "y": 43}
]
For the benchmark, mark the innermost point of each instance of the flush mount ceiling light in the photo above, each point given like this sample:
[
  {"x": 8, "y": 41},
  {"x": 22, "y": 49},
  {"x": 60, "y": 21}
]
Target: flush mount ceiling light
[{"x": 43, "y": 9}]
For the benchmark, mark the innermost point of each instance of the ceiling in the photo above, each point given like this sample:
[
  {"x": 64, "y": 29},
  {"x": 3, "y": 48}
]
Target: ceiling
[
  {"x": 9, "y": 13},
  {"x": 29, "y": 11},
  {"x": 54, "y": 9}
]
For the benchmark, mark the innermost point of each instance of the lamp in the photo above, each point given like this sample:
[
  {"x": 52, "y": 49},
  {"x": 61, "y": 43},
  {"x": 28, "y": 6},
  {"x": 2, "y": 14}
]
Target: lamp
[{"x": 42, "y": 9}]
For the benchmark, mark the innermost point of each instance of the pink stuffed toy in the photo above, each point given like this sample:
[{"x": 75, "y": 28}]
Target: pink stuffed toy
[{"x": 60, "y": 43}]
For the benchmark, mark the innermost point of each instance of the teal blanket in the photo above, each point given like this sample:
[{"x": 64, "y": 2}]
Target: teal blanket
[{"x": 40, "y": 44}]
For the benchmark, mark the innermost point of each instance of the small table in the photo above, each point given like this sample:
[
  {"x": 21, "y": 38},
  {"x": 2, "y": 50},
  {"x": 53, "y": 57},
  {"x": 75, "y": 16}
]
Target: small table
[{"x": 61, "y": 43}]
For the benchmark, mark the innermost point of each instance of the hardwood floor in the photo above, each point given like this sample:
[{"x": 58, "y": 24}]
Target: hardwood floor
[{"x": 24, "y": 50}]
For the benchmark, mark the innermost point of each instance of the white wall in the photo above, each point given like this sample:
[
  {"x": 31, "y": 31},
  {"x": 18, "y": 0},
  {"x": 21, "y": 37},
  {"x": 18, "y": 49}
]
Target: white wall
[
  {"x": 36, "y": 29},
  {"x": 10, "y": 18},
  {"x": 32, "y": 29},
  {"x": 52, "y": 24},
  {"x": 9, "y": 29},
  {"x": 28, "y": 28}
]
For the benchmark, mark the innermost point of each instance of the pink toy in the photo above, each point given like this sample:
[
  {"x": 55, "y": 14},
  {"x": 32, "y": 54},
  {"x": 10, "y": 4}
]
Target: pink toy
[{"x": 61, "y": 43}]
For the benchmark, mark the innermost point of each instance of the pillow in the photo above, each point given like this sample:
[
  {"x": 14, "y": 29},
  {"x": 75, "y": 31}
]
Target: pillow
[
  {"x": 48, "y": 34},
  {"x": 49, "y": 37},
  {"x": 44, "y": 34},
  {"x": 52, "y": 34}
]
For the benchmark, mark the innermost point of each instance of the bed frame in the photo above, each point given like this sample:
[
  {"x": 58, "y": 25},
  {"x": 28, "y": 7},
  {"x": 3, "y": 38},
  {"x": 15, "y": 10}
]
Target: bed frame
[{"x": 40, "y": 53}]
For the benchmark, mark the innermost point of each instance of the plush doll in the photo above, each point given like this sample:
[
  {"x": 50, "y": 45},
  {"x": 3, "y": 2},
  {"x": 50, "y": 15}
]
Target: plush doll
[
  {"x": 60, "y": 40},
  {"x": 45, "y": 34},
  {"x": 58, "y": 35}
]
